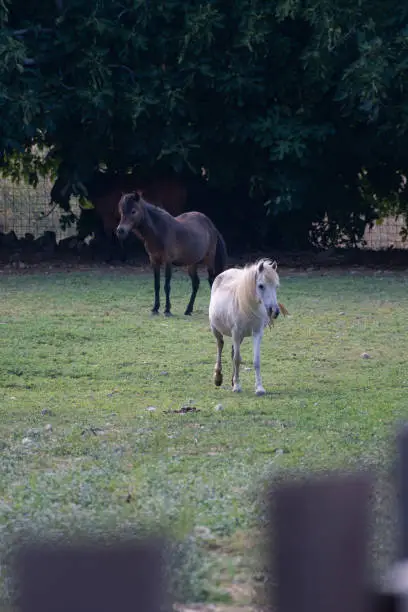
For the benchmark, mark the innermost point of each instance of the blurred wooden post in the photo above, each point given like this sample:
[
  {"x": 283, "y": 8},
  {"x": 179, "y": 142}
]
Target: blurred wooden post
[
  {"x": 91, "y": 579},
  {"x": 321, "y": 545},
  {"x": 397, "y": 580},
  {"x": 402, "y": 490}
]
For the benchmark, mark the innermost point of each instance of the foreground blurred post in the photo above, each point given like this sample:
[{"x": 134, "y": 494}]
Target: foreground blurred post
[
  {"x": 91, "y": 579},
  {"x": 402, "y": 484},
  {"x": 397, "y": 580},
  {"x": 321, "y": 545},
  {"x": 319, "y": 558}
]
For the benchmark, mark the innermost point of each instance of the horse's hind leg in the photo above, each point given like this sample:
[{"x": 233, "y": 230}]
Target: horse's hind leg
[
  {"x": 195, "y": 283},
  {"x": 156, "y": 271},
  {"x": 167, "y": 280},
  {"x": 218, "y": 363},
  {"x": 211, "y": 276},
  {"x": 236, "y": 386}
]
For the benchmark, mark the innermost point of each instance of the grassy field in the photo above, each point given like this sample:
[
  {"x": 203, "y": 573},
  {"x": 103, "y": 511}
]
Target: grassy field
[{"x": 89, "y": 438}]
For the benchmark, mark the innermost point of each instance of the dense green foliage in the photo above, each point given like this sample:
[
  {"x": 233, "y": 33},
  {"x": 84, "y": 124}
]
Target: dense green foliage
[{"x": 290, "y": 100}]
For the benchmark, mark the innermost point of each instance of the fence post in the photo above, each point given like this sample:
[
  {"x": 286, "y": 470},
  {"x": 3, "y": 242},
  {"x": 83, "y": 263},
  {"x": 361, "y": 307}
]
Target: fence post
[
  {"x": 320, "y": 549},
  {"x": 88, "y": 578}
]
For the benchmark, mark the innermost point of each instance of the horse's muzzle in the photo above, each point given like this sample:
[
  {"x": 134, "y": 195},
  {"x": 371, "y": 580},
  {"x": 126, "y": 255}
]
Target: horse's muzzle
[
  {"x": 121, "y": 232},
  {"x": 273, "y": 312}
]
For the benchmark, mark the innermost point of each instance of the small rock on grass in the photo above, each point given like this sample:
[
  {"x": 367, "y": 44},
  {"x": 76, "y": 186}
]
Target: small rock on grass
[
  {"x": 151, "y": 408},
  {"x": 365, "y": 355},
  {"x": 203, "y": 532},
  {"x": 219, "y": 407},
  {"x": 48, "y": 427}
]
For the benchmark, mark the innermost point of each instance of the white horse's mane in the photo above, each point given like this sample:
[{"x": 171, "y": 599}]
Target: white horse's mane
[{"x": 243, "y": 284}]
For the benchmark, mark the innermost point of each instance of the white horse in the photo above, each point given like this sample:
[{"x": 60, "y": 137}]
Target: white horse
[{"x": 243, "y": 301}]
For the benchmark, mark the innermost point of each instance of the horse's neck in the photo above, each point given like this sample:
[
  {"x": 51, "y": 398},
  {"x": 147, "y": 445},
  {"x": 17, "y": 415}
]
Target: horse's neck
[{"x": 151, "y": 227}]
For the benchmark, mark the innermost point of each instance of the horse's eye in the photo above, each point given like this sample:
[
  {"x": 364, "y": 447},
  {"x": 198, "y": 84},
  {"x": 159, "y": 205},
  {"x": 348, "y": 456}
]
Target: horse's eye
[
  {"x": 261, "y": 286},
  {"x": 133, "y": 211}
]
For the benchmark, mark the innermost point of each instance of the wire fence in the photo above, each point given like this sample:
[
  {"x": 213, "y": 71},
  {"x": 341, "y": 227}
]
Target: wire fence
[
  {"x": 24, "y": 209},
  {"x": 386, "y": 235}
]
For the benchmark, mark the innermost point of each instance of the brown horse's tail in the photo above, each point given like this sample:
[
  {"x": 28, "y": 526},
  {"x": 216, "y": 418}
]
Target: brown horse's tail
[{"x": 220, "y": 260}]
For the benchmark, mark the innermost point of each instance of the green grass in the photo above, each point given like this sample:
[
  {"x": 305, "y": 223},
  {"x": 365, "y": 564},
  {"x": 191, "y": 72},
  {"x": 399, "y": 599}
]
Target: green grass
[{"x": 80, "y": 353}]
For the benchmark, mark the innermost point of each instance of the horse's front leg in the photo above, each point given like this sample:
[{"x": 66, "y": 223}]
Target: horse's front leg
[
  {"x": 257, "y": 338},
  {"x": 236, "y": 386},
  {"x": 218, "y": 363},
  {"x": 232, "y": 355},
  {"x": 156, "y": 272},
  {"x": 167, "y": 272}
]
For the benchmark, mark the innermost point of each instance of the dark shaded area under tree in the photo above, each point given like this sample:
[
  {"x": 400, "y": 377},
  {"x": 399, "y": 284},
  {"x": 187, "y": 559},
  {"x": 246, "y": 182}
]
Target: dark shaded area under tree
[{"x": 297, "y": 113}]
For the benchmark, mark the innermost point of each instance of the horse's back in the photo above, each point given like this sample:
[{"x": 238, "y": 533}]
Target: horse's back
[
  {"x": 194, "y": 217},
  {"x": 195, "y": 236},
  {"x": 226, "y": 280}
]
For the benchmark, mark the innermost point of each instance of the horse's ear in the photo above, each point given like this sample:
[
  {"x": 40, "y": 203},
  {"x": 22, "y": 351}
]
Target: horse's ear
[
  {"x": 274, "y": 265},
  {"x": 261, "y": 266},
  {"x": 135, "y": 194}
]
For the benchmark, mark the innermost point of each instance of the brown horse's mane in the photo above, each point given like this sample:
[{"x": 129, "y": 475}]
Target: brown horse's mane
[
  {"x": 156, "y": 221},
  {"x": 155, "y": 209},
  {"x": 157, "y": 218}
]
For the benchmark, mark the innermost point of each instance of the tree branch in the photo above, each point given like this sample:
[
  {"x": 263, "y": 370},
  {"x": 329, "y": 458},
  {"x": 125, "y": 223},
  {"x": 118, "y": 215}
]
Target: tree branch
[
  {"x": 67, "y": 87},
  {"x": 20, "y": 33},
  {"x": 124, "y": 68}
]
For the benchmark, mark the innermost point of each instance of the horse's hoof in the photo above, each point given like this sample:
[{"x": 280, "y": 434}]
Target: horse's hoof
[
  {"x": 260, "y": 391},
  {"x": 218, "y": 379},
  {"x": 188, "y": 314},
  {"x": 168, "y": 314},
  {"x": 237, "y": 388},
  {"x": 154, "y": 313}
]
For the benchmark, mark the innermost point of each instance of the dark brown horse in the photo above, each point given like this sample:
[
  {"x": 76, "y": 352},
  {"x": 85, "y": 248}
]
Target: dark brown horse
[
  {"x": 189, "y": 239},
  {"x": 105, "y": 190}
]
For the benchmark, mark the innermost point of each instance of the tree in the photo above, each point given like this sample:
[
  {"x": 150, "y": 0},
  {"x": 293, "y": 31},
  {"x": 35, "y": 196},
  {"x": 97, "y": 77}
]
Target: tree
[{"x": 290, "y": 101}]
